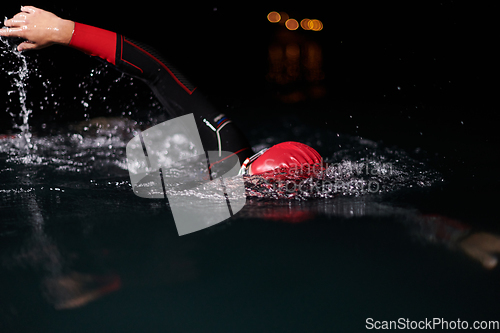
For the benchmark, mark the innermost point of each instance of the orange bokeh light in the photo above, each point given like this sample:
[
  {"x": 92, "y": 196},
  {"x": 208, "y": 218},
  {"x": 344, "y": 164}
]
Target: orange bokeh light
[
  {"x": 305, "y": 24},
  {"x": 292, "y": 24},
  {"x": 315, "y": 25},
  {"x": 274, "y": 17}
]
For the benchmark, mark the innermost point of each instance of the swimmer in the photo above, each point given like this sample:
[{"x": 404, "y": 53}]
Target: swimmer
[
  {"x": 179, "y": 96},
  {"x": 176, "y": 93}
]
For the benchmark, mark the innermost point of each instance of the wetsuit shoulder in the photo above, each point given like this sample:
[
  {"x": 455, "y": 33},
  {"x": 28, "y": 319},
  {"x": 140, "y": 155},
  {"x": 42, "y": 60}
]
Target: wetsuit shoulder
[{"x": 176, "y": 93}]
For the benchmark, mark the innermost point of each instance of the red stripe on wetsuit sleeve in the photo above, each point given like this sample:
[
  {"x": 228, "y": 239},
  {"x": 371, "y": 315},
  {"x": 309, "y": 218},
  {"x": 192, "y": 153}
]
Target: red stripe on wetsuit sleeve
[
  {"x": 182, "y": 85},
  {"x": 94, "y": 41}
]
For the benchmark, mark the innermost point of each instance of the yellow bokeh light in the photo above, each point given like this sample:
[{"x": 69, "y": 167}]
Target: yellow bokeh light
[
  {"x": 315, "y": 25},
  {"x": 274, "y": 17},
  {"x": 305, "y": 24},
  {"x": 292, "y": 24}
]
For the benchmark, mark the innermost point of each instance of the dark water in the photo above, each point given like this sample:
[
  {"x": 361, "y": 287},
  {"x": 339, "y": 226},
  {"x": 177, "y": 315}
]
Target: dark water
[
  {"x": 71, "y": 227},
  {"x": 80, "y": 252}
]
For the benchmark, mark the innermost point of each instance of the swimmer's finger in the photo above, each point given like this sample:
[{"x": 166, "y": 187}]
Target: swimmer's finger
[
  {"x": 29, "y": 9},
  {"x": 16, "y": 20},
  {"x": 12, "y": 32},
  {"x": 487, "y": 260},
  {"x": 26, "y": 46},
  {"x": 13, "y": 22}
]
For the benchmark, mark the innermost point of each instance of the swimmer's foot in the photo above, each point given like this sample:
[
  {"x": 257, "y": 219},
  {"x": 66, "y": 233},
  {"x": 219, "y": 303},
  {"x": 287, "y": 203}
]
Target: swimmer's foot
[
  {"x": 482, "y": 247},
  {"x": 76, "y": 289}
]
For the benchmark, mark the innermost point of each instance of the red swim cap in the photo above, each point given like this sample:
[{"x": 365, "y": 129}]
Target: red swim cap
[{"x": 286, "y": 155}]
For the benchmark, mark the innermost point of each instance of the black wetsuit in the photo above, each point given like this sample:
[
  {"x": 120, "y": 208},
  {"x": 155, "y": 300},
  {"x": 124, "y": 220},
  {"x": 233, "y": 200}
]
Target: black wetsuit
[{"x": 178, "y": 95}]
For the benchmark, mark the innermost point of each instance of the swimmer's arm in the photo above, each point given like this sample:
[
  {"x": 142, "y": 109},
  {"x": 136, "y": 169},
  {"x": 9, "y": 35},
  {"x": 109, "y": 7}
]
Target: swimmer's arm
[
  {"x": 39, "y": 27},
  {"x": 481, "y": 246}
]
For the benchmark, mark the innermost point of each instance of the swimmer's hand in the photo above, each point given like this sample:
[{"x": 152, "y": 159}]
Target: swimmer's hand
[
  {"x": 39, "y": 27},
  {"x": 482, "y": 247}
]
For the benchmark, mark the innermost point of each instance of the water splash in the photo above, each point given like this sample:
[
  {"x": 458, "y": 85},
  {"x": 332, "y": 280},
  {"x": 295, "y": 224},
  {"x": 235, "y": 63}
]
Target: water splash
[
  {"x": 362, "y": 167},
  {"x": 19, "y": 73}
]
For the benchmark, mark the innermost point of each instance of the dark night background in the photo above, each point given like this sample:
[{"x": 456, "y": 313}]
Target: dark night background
[
  {"x": 439, "y": 53},
  {"x": 418, "y": 75}
]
